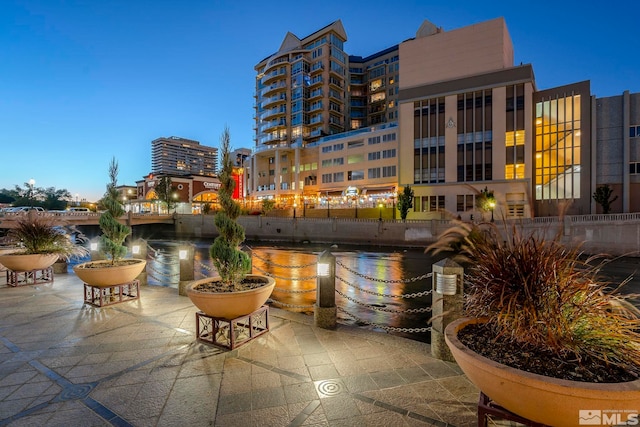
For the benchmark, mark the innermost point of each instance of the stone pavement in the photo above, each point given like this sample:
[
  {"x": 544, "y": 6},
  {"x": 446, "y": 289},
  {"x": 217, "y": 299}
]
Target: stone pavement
[{"x": 64, "y": 363}]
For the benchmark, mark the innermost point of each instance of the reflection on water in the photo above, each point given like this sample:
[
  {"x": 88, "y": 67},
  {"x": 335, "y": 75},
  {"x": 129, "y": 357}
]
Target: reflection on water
[{"x": 377, "y": 272}]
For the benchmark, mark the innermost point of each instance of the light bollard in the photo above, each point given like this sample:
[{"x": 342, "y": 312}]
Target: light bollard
[
  {"x": 447, "y": 302},
  {"x": 325, "y": 309},
  {"x": 94, "y": 250},
  {"x": 139, "y": 251},
  {"x": 185, "y": 256}
]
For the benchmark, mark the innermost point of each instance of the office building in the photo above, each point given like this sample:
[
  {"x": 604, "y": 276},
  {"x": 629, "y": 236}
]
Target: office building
[{"x": 181, "y": 156}]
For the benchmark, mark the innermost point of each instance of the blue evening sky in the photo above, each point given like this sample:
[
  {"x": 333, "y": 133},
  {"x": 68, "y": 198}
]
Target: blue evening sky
[{"x": 84, "y": 81}]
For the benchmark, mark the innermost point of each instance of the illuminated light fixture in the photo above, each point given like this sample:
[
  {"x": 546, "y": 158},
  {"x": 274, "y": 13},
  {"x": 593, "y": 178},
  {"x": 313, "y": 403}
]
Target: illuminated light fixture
[
  {"x": 94, "y": 246},
  {"x": 323, "y": 269},
  {"x": 135, "y": 249},
  {"x": 446, "y": 284},
  {"x": 182, "y": 253}
]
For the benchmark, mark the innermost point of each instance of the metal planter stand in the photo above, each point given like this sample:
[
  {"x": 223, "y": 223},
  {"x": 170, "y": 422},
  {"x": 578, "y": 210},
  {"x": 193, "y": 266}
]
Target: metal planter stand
[{"x": 233, "y": 333}]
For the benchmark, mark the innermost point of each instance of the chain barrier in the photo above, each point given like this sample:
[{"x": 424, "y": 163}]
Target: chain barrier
[
  {"x": 384, "y": 327},
  {"x": 172, "y": 278},
  {"x": 366, "y": 291},
  {"x": 299, "y": 279},
  {"x": 386, "y": 310},
  {"x": 273, "y": 301},
  {"x": 374, "y": 279},
  {"x": 266, "y": 261}
]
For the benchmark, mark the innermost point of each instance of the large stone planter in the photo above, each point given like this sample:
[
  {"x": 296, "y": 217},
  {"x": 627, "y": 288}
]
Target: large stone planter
[
  {"x": 103, "y": 274},
  {"x": 546, "y": 400},
  {"x": 230, "y": 305},
  {"x": 28, "y": 262}
]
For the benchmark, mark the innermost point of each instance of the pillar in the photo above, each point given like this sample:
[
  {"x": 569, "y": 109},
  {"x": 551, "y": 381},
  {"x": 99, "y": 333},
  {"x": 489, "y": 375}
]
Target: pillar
[{"x": 447, "y": 302}]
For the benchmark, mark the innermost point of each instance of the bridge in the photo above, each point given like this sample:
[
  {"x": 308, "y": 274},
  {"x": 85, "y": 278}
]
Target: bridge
[{"x": 10, "y": 219}]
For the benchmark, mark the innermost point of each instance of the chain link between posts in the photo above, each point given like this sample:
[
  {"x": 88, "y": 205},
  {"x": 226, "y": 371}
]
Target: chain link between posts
[
  {"x": 384, "y": 327},
  {"x": 375, "y": 279}
]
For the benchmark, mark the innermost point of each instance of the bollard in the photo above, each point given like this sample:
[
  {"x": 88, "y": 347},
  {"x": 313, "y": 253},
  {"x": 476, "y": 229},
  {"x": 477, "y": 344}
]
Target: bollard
[
  {"x": 60, "y": 266},
  {"x": 325, "y": 308},
  {"x": 447, "y": 302},
  {"x": 185, "y": 255},
  {"x": 139, "y": 251},
  {"x": 94, "y": 250}
]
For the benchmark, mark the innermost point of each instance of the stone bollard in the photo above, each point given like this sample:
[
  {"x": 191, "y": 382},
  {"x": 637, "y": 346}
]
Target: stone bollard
[
  {"x": 60, "y": 266},
  {"x": 94, "y": 250},
  {"x": 139, "y": 251},
  {"x": 447, "y": 302},
  {"x": 185, "y": 255},
  {"x": 325, "y": 309}
]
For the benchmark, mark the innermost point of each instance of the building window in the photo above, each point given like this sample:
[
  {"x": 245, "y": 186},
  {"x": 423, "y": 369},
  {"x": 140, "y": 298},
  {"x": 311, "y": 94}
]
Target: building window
[
  {"x": 389, "y": 154},
  {"x": 338, "y": 161},
  {"x": 355, "y": 175},
  {"x": 326, "y": 178},
  {"x": 428, "y": 137},
  {"x": 514, "y": 162},
  {"x": 428, "y": 204},
  {"x": 515, "y": 205},
  {"x": 389, "y": 137},
  {"x": 374, "y": 156},
  {"x": 327, "y": 163},
  {"x": 338, "y": 177},
  {"x": 475, "y": 137},
  {"x": 634, "y": 131},
  {"x": 465, "y": 202},
  {"x": 634, "y": 168},
  {"x": 373, "y": 173},
  {"x": 389, "y": 171},
  {"x": 327, "y": 149},
  {"x": 557, "y": 148},
  {"x": 355, "y": 158},
  {"x": 338, "y": 147},
  {"x": 373, "y": 140}
]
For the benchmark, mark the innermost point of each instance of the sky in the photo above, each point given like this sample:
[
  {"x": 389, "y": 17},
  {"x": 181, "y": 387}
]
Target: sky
[{"x": 83, "y": 82}]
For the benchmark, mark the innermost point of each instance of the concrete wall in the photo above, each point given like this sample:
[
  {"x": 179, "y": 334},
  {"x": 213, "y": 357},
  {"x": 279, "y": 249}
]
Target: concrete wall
[{"x": 617, "y": 234}]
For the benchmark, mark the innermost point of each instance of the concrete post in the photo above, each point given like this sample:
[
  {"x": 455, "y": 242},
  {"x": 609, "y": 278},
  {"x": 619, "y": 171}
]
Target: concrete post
[
  {"x": 185, "y": 255},
  {"x": 139, "y": 251},
  {"x": 447, "y": 302},
  {"x": 94, "y": 250},
  {"x": 325, "y": 308},
  {"x": 60, "y": 266}
]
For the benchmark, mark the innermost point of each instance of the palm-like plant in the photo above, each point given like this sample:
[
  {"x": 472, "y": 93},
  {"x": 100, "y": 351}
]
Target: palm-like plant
[
  {"x": 537, "y": 293},
  {"x": 35, "y": 235}
]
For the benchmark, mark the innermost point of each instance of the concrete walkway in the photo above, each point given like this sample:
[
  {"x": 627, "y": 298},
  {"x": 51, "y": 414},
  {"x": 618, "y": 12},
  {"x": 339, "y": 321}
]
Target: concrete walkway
[{"x": 64, "y": 363}]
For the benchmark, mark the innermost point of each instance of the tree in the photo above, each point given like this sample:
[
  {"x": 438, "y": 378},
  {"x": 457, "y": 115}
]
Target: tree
[
  {"x": 55, "y": 199},
  {"x": 230, "y": 261},
  {"x": 166, "y": 192},
  {"x": 602, "y": 196},
  {"x": 114, "y": 233},
  {"x": 405, "y": 202},
  {"x": 267, "y": 205}
]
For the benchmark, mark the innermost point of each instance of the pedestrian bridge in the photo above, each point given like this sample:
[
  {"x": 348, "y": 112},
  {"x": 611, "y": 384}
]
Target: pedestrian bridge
[{"x": 10, "y": 220}]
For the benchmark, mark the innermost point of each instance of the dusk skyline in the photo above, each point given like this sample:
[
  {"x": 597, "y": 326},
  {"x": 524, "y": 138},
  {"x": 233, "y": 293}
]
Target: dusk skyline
[{"x": 85, "y": 82}]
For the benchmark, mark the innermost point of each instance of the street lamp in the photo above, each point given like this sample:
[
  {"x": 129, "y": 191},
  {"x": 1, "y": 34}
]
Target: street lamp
[
  {"x": 492, "y": 205},
  {"x": 294, "y": 210}
]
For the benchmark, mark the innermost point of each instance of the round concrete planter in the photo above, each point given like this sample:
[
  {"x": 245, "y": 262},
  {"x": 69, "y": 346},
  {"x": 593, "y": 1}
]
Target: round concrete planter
[
  {"x": 230, "y": 305},
  {"x": 103, "y": 274},
  {"x": 28, "y": 262},
  {"x": 546, "y": 400}
]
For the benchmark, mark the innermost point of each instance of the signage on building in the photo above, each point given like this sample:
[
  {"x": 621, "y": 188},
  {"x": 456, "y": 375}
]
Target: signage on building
[{"x": 211, "y": 185}]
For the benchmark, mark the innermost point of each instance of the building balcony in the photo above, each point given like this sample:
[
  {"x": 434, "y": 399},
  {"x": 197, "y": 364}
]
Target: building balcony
[
  {"x": 275, "y": 87},
  {"x": 281, "y": 97},
  {"x": 317, "y": 68},
  {"x": 269, "y": 77},
  {"x": 274, "y": 112},
  {"x": 317, "y": 93},
  {"x": 273, "y": 125},
  {"x": 315, "y": 81}
]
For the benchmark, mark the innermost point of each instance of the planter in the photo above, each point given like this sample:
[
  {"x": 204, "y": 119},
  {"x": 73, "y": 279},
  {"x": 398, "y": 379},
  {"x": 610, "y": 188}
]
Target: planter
[
  {"x": 103, "y": 274},
  {"x": 539, "y": 398},
  {"x": 230, "y": 305},
  {"x": 28, "y": 262}
]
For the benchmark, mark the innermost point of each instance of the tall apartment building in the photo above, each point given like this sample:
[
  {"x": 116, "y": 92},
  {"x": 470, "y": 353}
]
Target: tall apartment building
[
  {"x": 181, "y": 156},
  {"x": 462, "y": 116}
]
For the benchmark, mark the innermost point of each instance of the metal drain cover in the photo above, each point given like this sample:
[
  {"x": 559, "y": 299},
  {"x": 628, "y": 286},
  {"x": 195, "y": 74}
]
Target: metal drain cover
[{"x": 329, "y": 388}]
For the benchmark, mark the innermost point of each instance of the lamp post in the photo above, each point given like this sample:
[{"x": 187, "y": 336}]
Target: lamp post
[
  {"x": 294, "y": 210},
  {"x": 492, "y": 205}
]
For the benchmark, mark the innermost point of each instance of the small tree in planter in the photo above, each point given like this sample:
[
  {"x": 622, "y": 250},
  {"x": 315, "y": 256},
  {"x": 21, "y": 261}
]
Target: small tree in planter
[
  {"x": 231, "y": 262},
  {"x": 235, "y": 293},
  {"x": 114, "y": 232}
]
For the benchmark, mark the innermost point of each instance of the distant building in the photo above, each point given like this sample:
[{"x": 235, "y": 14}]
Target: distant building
[{"x": 181, "y": 156}]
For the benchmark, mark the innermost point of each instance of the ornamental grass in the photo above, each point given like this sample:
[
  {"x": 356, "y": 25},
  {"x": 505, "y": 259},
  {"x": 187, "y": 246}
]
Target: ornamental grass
[{"x": 538, "y": 293}]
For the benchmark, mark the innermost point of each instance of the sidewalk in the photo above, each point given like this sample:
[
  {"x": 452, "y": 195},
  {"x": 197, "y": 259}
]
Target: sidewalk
[{"x": 64, "y": 363}]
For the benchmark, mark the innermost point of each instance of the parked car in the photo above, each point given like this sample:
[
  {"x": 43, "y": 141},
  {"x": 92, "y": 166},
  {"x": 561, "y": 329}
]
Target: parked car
[
  {"x": 28, "y": 208},
  {"x": 77, "y": 209}
]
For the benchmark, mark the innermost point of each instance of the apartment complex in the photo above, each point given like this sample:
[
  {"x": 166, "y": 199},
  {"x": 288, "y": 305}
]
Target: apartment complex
[
  {"x": 181, "y": 156},
  {"x": 446, "y": 112}
]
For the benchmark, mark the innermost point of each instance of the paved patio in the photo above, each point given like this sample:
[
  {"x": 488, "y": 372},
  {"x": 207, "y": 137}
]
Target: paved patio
[{"x": 64, "y": 363}]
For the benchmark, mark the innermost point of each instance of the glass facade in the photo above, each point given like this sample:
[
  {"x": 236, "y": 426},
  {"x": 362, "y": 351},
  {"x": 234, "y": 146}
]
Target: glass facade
[
  {"x": 475, "y": 137},
  {"x": 557, "y": 148},
  {"x": 428, "y": 136}
]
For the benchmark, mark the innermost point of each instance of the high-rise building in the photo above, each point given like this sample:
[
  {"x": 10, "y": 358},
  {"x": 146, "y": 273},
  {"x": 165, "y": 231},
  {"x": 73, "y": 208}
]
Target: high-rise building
[
  {"x": 453, "y": 116},
  {"x": 181, "y": 156}
]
